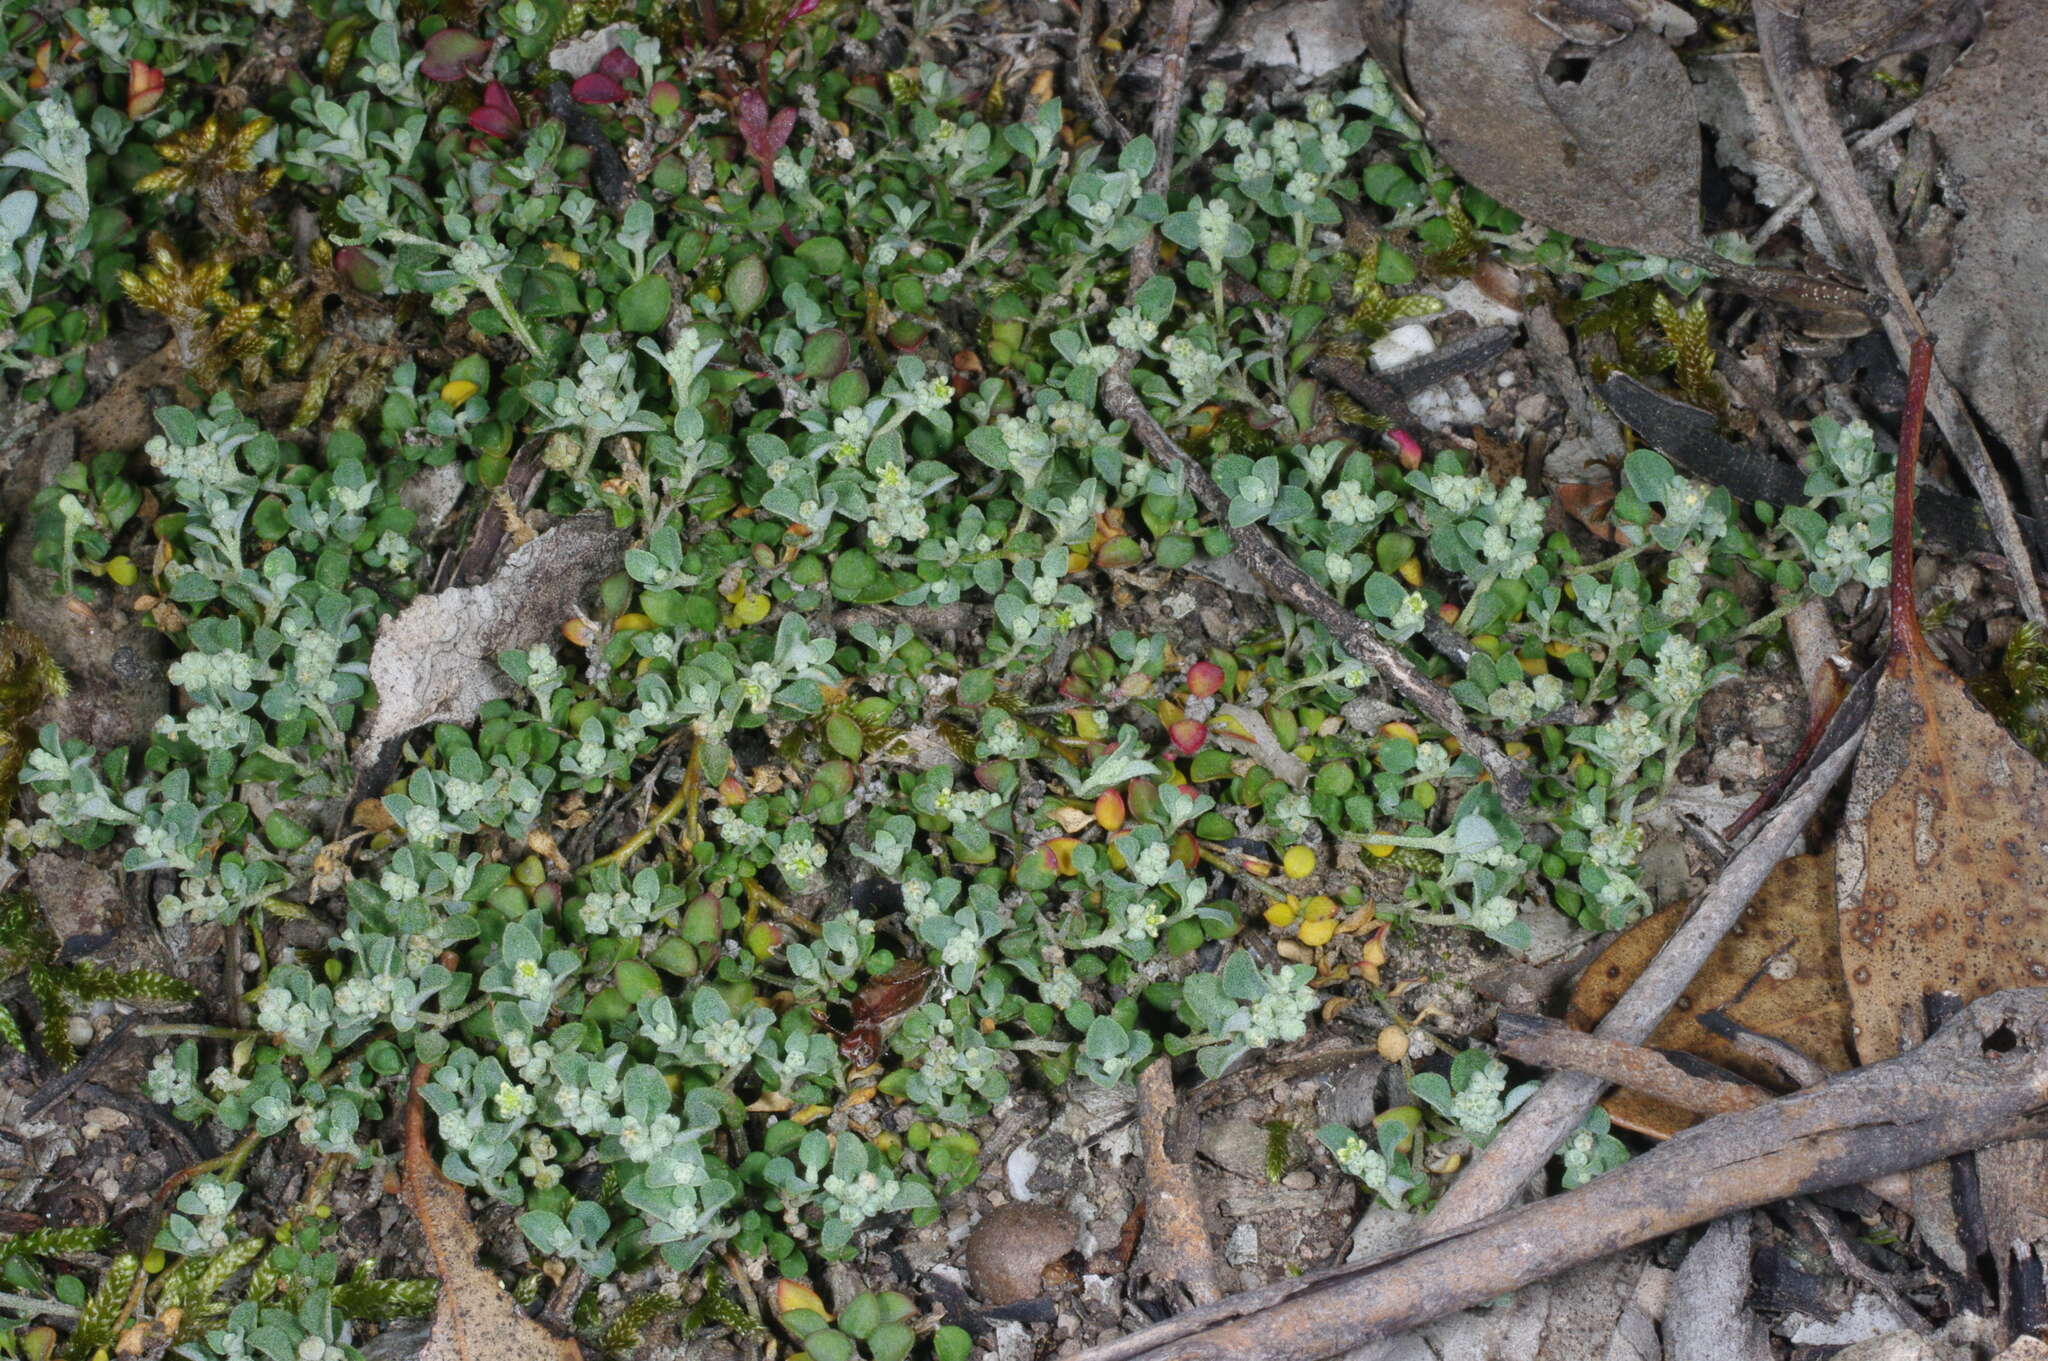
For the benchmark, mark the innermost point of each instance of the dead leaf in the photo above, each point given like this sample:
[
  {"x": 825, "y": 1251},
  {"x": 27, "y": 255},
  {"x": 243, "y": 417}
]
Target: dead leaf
[
  {"x": 1988, "y": 115},
  {"x": 1598, "y": 141},
  {"x": 1942, "y": 867},
  {"x": 1777, "y": 972},
  {"x": 1246, "y": 731},
  {"x": 436, "y": 661},
  {"x": 1589, "y": 503},
  {"x": 476, "y": 1319},
  {"x": 1942, "y": 879}
]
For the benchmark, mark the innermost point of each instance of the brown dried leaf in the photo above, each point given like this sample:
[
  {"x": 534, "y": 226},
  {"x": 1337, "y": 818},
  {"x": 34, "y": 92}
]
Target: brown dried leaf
[
  {"x": 476, "y": 1318},
  {"x": 1942, "y": 868},
  {"x": 1598, "y": 141},
  {"x": 1777, "y": 973},
  {"x": 1942, "y": 880},
  {"x": 436, "y": 661}
]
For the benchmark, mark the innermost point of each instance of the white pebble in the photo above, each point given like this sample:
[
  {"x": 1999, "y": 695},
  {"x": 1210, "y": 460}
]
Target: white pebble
[
  {"x": 1402, "y": 344},
  {"x": 1021, "y": 1164}
]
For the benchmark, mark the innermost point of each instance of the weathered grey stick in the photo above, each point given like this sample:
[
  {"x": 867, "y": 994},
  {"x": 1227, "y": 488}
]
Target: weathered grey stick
[
  {"x": 1981, "y": 1080},
  {"x": 1802, "y": 100},
  {"x": 1547, "y": 1119}
]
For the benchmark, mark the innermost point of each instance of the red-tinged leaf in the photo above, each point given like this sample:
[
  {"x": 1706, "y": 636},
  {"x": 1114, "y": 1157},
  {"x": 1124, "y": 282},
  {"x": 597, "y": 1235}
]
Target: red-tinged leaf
[
  {"x": 619, "y": 65},
  {"x": 145, "y": 89},
  {"x": 752, "y": 115},
  {"x": 497, "y": 116},
  {"x": 597, "y": 88},
  {"x": 452, "y": 54}
]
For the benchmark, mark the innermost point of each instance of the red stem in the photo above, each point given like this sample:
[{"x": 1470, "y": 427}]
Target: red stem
[{"x": 1906, "y": 633}]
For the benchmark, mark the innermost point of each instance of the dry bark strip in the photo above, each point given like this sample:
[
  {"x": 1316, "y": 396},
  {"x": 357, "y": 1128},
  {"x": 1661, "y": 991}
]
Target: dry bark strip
[
  {"x": 476, "y": 1318},
  {"x": 1177, "y": 1242},
  {"x": 1981, "y": 1080},
  {"x": 1801, "y": 93},
  {"x": 1684, "y": 1081}
]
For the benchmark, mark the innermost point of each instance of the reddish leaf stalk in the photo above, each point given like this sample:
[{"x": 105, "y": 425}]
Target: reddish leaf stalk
[{"x": 1906, "y": 635}]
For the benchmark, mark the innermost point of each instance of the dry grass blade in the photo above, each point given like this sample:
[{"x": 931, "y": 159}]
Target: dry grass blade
[{"x": 476, "y": 1319}]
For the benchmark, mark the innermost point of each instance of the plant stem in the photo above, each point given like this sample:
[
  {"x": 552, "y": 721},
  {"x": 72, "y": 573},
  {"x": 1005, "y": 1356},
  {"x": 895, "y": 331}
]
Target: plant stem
[
  {"x": 29, "y": 1306},
  {"x": 197, "y": 1032}
]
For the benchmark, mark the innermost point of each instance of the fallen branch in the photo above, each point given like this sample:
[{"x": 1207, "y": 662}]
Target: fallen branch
[
  {"x": 1547, "y": 1119},
  {"x": 1802, "y": 100},
  {"x": 1689, "y": 1083},
  {"x": 1980, "y": 1081}
]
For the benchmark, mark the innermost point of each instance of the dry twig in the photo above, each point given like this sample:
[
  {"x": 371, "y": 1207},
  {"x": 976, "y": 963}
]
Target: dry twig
[{"x": 1686, "y": 1082}]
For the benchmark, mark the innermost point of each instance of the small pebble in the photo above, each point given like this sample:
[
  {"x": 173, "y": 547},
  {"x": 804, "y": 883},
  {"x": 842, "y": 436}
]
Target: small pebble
[
  {"x": 1008, "y": 1252},
  {"x": 1300, "y": 1179},
  {"x": 79, "y": 1031}
]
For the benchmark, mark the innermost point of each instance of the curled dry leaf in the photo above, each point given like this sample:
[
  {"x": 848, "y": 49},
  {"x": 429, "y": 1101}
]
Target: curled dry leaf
[
  {"x": 476, "y": 1318},
  {"x": 436, "y": 661},
  {"x": 1777, "y": 972},
  {"x": 1598, "y": 141}
]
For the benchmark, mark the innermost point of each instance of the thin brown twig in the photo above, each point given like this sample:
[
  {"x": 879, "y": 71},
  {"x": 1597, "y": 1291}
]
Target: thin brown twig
[
  {"x": 1802, "y": 101},
  {"x": 1173, "y": 79},
  {"x": 1700, "y": 1088}
]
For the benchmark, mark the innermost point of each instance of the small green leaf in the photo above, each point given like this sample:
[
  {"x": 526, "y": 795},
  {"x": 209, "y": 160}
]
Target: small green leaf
[{"x": 643, "y": 307}]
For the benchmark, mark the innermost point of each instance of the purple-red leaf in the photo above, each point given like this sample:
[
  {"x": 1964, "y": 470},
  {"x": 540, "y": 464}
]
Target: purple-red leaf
[
  {"x": 452, "y": 54},
  {"x": 619, "y": 65},
  {"x": 497, "y": 116},
  {"x": 764, "y": 135},
  {"x": 597, "y": 88}
]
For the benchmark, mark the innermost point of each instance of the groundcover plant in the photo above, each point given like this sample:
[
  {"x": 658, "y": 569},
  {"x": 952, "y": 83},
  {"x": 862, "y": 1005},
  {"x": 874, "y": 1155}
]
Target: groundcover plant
[{"x": 888, "y": 764}]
